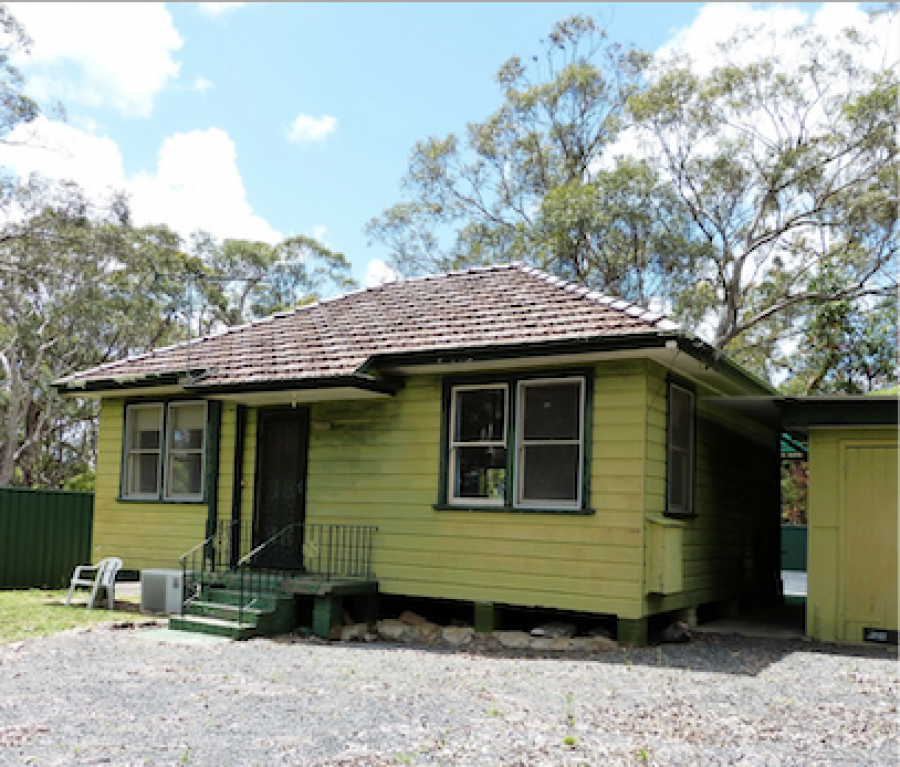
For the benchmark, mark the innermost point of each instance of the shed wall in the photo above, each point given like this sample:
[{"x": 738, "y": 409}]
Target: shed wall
[{"x": 852, "y": 532}]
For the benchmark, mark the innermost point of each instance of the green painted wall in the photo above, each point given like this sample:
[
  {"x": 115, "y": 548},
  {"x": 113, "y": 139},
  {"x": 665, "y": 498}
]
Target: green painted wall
[
  {"x": 732, "y": 546},
  {"x": 852, "y": 562},
  {"x": 379, "y": 464},
  {"x": 143, "y": 535}
]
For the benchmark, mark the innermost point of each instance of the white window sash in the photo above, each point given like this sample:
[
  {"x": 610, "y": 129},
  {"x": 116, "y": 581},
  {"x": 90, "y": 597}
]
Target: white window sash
[
  {"x": 171, "y": 451},
  {"x": 131, "y": 450},
  {"x": 455, "y": 444}
]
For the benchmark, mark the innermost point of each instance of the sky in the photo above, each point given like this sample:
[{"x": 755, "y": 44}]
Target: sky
[{"x": 266, "y": 120}]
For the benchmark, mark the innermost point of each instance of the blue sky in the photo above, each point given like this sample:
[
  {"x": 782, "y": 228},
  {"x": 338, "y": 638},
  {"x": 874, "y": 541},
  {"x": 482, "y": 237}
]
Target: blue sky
[{"x": 271, "y": 119}]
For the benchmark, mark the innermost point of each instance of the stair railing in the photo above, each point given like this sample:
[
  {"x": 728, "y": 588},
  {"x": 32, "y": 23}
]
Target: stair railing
[
  {"x": 210, "y": 556},
  {"x": 252, "y": 578},
  {"x": 321, "y": 551}
]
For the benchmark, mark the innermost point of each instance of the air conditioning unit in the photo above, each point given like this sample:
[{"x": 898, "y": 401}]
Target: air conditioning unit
[{"x": 162, "y": 591}]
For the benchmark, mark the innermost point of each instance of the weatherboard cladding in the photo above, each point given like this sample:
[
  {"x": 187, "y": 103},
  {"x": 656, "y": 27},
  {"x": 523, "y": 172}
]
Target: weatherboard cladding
[{"x": 489, "y": 306}]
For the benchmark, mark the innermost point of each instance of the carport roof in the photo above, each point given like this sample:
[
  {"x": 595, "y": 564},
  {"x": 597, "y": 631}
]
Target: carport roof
[{"x": 797, "y": 414}]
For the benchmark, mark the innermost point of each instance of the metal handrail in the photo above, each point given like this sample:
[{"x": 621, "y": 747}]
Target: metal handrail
[
  {"x": 327, "y": 551},
  {"x": 208, "y": 546},
  {"x": 271, "y": 539}
]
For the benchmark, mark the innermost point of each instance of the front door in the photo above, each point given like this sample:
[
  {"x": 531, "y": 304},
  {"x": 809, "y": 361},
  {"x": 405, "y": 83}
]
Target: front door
[{"x": 282, "y": 439}]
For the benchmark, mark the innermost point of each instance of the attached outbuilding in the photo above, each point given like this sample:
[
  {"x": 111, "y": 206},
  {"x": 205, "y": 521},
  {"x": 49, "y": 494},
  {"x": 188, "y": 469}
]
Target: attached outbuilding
[{"x": 852, "y": 515}]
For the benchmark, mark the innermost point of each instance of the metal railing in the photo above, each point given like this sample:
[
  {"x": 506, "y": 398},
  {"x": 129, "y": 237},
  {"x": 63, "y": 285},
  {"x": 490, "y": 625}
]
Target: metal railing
[
  {"x": 317, "y": 551},
  {"x": 213, "y": 556}
]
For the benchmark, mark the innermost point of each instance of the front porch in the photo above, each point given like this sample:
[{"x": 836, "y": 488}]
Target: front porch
[{"x": 237, "y": 587}]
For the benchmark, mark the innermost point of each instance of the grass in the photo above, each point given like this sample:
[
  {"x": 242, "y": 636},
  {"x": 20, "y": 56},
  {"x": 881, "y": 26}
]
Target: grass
[{"x": 31, "y": 613}]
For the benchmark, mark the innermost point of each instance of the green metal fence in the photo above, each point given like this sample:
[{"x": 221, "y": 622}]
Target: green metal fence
[
  {"x": 793, "y": 547},
  {"x": 44, "y": 534}
]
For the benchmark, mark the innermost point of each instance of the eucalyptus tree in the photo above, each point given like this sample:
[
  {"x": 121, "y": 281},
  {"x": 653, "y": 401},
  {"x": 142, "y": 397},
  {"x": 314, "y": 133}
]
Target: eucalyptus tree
[
  {"x": 534, "y": 181},
  {"x": 79, "y": 287},
  {"x": 786, "y": 160},
  {"x": 244, "y": 280},
  {"x": 741, "y": 196}
]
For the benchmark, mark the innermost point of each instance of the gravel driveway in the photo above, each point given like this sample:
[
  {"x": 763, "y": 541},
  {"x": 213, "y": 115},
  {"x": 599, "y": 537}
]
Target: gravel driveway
[{"x": 127, "y": 697}]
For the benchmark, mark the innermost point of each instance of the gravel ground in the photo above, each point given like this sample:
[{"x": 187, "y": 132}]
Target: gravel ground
[{"x": 126, "y": 697}]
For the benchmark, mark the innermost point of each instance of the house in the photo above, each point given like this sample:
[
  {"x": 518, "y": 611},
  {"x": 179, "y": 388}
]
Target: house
[{"x": 517, "y": 440}]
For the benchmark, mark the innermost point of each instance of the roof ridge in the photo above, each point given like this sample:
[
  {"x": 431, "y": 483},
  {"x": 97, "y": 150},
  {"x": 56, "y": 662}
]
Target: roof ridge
[{"x": 613, "y": 302}]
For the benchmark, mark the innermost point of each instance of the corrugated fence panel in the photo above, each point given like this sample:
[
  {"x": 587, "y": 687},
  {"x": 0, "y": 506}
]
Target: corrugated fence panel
[{"x": 44, "y": 534}]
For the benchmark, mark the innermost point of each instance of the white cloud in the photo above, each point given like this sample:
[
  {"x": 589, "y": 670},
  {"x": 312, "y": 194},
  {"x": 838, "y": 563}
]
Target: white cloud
[
  {"x": 214, "y": 10},
  {"x": 59, "y": 151},
  {"x": 306, "y": 129},
  {"x": 717, "y": 22},
  {"x": 195, "y": 185},
  {"x": 99, "y": 54},
  {"x": 202, "y": 85},
  {"x": 378, "y": 273}
]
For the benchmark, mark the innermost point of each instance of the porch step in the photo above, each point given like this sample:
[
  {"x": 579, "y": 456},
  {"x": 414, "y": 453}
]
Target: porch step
[
  {"x": 201, "y": 624},
  {"x": 225, "y": 611},
  {"x": 217, "y": 611}
]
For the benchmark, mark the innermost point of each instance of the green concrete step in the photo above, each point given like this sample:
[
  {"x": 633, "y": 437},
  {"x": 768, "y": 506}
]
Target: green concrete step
[
  {"x": 200, "y": 624},
  {"x": 266, "y": 601},
  {"x": 217, "y": 611},
  {"x": 225, "y": 611}
]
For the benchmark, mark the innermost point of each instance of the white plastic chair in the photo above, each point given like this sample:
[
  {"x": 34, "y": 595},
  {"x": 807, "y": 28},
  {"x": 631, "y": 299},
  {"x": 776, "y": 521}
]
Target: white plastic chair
[{"x": 102, "y": 575}]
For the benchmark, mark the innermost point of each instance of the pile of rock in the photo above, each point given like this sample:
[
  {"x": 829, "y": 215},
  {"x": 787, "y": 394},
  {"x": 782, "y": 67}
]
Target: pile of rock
[{"x": 411, "y": 628}]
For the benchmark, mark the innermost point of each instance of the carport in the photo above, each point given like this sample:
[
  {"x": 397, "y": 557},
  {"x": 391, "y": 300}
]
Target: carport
[{"x": 852, "y": 515}]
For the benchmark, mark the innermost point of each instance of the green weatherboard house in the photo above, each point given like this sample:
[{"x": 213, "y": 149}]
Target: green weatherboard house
[{"x": 517, "y": 440}]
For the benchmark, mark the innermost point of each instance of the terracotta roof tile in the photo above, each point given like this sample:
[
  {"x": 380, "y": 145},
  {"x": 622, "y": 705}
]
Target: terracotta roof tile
[{"x": 496, "y": 305}]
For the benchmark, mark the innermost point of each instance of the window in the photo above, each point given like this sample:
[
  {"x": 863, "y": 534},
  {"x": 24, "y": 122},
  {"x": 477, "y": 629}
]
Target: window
[
  {"x": 550, "y": 423},
  {"x": 478, "y": 444},
  {"x": 542, "y": 418},
  {"x": 171, "y": 467},
  {"x": 680, "y": 486},
  {"x": 144, "y": 430}
]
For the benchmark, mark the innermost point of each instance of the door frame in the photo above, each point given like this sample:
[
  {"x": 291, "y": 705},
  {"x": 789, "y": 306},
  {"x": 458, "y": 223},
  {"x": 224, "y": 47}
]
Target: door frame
[{"x": 262, "y": 416}]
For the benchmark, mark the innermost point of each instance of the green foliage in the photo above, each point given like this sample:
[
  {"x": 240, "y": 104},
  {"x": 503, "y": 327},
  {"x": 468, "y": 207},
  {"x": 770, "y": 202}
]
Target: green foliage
[
  {"x": 794, "y": 492},
  {"x": 788, "y": 169},
  {"x": 503, "y": 191},
  {"x": 244, "y": 280}
]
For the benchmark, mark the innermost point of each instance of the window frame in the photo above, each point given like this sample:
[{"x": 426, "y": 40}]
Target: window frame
[
  {"x": 453, "y": 445},
  {"x": 515, "y": 399},
  {"x": 686, "y": 510},
  {"x": 132, "y": 451},
  {"x": 170, "y": 450},
  {"x": 162, "y": 495}
]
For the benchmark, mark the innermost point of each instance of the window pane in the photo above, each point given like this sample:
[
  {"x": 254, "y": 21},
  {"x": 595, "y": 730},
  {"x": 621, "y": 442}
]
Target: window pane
[
  {"x": 550, "y": 473},
  {"x": 677, "y": 479},
  {"x": 481, "y": 472},
  {"x": 185, "y": 477},
  {"x": 680, "y": 418},
  {"x": 552, "y": 411},
  {"x": 143, "y": 474},
  {"x": 480, "y": 415},
  {"x": 186, "y": 430},
  {"x": 146, "y": 423}
]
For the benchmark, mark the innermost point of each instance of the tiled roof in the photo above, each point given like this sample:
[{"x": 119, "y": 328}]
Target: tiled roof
[{"x": 489, "y": 306}]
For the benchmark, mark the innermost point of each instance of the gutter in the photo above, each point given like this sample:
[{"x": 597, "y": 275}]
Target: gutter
[{"x": 689, "y": 344}]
